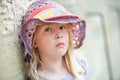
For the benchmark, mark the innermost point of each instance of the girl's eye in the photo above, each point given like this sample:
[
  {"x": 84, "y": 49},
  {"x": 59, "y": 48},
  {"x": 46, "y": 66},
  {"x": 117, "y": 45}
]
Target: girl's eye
[
  {"x": 48, "y": 29},
  {"x": 62, "y": 27}
]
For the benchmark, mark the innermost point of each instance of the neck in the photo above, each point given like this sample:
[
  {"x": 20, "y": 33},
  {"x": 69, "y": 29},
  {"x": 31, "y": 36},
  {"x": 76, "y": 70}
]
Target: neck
[
  {"x": 53, "y": 69},
  {"x": 53, "y": 65}
]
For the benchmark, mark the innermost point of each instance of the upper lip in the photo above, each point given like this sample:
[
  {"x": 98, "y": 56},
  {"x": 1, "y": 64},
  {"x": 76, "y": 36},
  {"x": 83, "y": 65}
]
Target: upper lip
[{"x": 61, "y": 43}]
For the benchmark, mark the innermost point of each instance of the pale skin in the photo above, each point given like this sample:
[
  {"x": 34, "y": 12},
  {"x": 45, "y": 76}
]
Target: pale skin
[{"x": 52, "y": 42}]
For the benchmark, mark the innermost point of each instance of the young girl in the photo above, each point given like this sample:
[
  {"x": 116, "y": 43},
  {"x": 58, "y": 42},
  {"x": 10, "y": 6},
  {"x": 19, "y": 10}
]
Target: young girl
[{"x": 50, "y": 33}]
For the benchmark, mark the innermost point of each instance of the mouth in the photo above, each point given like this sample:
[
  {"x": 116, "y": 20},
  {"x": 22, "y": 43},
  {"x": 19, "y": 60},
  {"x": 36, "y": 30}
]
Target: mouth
[{"x": 60, "y": 45}]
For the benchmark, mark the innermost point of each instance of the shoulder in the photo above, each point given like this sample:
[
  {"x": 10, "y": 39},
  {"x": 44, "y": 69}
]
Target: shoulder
[{"x": 82, "y": 63}]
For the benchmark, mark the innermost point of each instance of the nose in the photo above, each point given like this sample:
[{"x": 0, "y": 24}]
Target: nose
[{"x": 59, "y": 34}]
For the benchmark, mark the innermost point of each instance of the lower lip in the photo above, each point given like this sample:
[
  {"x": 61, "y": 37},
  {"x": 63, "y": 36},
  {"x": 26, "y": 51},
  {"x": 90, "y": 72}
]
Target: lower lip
[{"x": 60, "y": 46}]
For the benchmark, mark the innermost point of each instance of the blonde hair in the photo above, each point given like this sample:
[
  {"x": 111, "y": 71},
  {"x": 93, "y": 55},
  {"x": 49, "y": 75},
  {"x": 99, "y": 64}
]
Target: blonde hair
[{"x": 31, "y": 70}]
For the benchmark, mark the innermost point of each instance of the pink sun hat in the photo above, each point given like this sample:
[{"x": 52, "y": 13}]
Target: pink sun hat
[{"x": 48, "y": 11}]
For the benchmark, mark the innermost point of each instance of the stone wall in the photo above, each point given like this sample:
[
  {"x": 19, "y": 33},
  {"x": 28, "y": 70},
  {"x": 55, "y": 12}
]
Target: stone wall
[{"x": 11, "y": 53}]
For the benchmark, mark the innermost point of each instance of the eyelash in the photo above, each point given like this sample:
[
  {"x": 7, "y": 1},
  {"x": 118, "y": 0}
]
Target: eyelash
[
  {"x": 62, "y": 27},
  {"x": 49, "y": 29}
]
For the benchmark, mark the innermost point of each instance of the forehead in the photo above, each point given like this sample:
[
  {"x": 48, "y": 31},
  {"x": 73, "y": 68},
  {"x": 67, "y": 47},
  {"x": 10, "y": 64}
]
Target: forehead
[{"x": 52, "y": 25}]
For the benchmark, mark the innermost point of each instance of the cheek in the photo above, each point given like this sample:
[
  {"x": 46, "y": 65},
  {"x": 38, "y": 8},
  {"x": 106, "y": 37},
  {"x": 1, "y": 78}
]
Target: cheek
[
  {"x": 66, "y": 37},
  {"x": 45, "y": 42},
  {"x": 67, "y": 41},
  {"x": 45, "y": 45}
]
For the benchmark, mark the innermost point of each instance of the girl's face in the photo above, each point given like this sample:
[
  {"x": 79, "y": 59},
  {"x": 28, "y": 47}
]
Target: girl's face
[{"x": 52, "y": 40}]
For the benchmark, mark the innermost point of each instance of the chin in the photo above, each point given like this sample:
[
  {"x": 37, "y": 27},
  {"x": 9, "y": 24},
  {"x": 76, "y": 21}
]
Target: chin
[{"x": 62, "y": 52}]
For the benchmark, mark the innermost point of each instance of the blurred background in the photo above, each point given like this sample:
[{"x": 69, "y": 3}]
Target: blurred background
[{"x": 101, "y": 47}]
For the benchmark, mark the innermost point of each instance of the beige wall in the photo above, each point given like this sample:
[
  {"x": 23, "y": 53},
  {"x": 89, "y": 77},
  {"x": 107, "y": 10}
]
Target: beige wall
[
  {"x": 102, "y": 44},
  {"x": 101, "y": 47}
]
